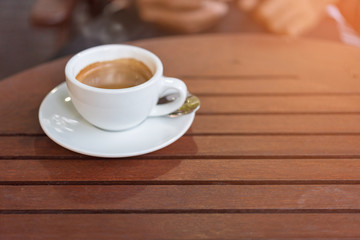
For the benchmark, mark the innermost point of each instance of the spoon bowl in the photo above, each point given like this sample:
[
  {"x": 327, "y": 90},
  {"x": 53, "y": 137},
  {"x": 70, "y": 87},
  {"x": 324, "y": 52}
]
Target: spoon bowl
[{"x": 191, "y": 104}]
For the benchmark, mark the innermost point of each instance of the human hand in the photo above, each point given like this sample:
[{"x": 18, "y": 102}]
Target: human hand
[
  {"x": 291, "y": 17},
  {"x": 350, "y": 9},
  {"x": 186, "y": 16}
]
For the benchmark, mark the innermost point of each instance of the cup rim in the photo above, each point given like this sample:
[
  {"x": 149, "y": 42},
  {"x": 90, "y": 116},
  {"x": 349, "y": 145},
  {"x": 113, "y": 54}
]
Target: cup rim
[{"x": 70, "y": 76}]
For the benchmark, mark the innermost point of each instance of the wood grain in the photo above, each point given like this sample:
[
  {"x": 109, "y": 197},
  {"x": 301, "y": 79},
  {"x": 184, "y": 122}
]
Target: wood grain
[
  {"x": 276, "y": 124},
  {"x": 279, "y": 104},
  {"x": 241, "y": 124},
  {"x": 241, "y": 115},
  {"x": 182, "y": 171},
  {"x": 181, "y": 226},
  {"x": 273, "y": 146},
  {"x": 182, "y": 198},
  {"x": 250, "y": 55},
  {"x": 273, "y": 152},
  {"x": 259, "y": 90},
  {"x": 21, "y": 96},
  {"x": 268, "y": 85}
]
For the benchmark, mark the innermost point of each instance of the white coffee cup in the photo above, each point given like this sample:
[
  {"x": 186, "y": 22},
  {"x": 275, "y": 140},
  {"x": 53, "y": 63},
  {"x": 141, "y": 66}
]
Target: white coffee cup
[{"x": 121, "y": 109}]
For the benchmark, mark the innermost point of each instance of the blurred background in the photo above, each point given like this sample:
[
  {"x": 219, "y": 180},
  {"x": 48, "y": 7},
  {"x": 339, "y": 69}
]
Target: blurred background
[{"x": 36, "y": 31}]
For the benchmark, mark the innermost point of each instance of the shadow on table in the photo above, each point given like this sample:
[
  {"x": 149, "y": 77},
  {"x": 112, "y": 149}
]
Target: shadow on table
[{"x": 133, "y": 174}]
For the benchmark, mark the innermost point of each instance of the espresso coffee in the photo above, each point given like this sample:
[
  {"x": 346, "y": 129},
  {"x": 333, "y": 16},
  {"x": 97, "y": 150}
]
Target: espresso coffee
[{"x": 115, "y": 74}]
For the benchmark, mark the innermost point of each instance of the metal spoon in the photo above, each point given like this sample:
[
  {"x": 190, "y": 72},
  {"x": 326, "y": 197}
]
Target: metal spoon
[{"x": 191, "y": 104}]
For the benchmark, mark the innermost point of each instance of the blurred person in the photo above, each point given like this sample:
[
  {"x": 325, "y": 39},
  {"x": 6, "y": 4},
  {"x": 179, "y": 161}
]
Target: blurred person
[
  {"x": 185, "y": 16},
  {"x": 127, "y": 20},
  {"x": 350, "y": 9},
  {"x": 290, "y": 17},
  {"x": 347, "y": 15},
  {"x": 294, "y": 17}
]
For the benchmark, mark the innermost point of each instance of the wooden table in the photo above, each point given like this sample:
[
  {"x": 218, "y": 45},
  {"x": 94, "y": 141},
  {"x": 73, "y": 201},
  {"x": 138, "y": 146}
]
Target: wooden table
[{"x": 274, "y": 151}]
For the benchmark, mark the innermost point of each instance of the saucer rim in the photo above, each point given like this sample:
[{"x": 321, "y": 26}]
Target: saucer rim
[{"x": 176, "y": 136}]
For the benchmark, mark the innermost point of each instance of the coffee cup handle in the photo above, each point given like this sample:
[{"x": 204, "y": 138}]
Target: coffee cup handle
[{"x": 167, "y": 108}]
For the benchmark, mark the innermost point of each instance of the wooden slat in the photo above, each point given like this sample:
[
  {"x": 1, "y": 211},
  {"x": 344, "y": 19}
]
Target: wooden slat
[
  {"x": 279, "y": 104},
  {"x": 276, "y": 124},
  {"x": 240, "y": 171},
  {"x": 180, "y": 226},
  {"x": 207, "y": 146},
  {"x": 268, "y": 85},
  {"x": 181, "y": 198},
  {"x": 21, "y": 95}
]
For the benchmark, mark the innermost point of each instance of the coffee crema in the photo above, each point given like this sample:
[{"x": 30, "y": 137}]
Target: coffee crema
[{"x": 115, "y": 74}]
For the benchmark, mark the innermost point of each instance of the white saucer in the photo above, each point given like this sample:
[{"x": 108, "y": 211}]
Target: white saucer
[{"x": 63, "y": 124}]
